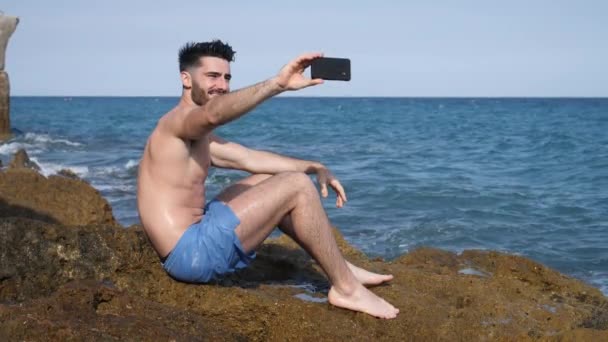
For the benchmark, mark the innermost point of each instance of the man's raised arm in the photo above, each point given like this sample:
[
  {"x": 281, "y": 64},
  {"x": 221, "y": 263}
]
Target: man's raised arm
[{"x": 228, "y": 107}]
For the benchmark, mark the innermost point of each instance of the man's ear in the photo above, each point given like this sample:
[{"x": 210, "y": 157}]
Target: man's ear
[{"x": 186, "y": 79}]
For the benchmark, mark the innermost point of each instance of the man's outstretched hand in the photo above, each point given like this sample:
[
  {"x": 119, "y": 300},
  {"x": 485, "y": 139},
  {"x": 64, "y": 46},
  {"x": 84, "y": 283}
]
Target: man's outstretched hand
[
  {"x": 291, "y": 76},
  {"x": 324, "y": 178}
]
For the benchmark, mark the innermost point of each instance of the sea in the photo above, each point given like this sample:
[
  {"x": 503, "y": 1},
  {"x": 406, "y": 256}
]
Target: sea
[{"x": 527, "y": 176}]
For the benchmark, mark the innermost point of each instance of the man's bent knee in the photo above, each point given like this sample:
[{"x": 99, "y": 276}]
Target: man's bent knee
[
  {"x": 255, "y": 178},
  {"x": 297, "y": 180}
]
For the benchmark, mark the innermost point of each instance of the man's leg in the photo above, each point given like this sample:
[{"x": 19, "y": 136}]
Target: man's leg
[
  {"x": 365, "y": 277},
  {"x": 262, "y": 207},
  {"x": 286, "y": 225}
]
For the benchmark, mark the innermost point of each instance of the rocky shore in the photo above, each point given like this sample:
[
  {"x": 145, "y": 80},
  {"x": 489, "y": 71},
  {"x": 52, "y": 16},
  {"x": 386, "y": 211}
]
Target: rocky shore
[{"x": 69, "y": 271}]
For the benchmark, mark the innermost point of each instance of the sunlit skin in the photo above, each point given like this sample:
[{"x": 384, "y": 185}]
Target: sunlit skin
[{"x": 182, "y": 147}]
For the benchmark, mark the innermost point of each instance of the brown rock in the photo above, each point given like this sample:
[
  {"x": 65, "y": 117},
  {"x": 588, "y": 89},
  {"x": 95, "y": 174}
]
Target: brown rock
[
  {"x": 22, "y": 161},
  {"x": 5, "y": 120},
  {"x": 439, "y": 300},
  {"x": 37, "y": 257},
  {"x": 90, "y": 311},
  {"x": 8, "y": 25},
  {"x": 56, "y": 199}
]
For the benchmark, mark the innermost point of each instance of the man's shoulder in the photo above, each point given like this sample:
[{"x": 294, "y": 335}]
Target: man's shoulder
[{"x": 172, "y": 123}]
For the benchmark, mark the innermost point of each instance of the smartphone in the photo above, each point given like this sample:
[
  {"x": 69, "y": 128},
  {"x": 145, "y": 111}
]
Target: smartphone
[{"x": 328, "y": 68}]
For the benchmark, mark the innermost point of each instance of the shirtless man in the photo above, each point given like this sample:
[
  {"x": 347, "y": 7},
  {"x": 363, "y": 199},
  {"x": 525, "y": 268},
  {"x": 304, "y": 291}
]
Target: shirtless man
[{"x": 198, "y": 242}]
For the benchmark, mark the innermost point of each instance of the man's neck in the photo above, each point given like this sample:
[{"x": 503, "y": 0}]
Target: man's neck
[{"x": 186, "y": 100}]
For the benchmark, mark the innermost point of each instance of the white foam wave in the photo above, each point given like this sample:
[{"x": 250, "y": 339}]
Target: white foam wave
[
  {"x": 133, "y": 163},
  {"x": 12, "y": 147},
  {"x": 33, "y": 143},
  {"x": 105, "y": 171},
  {"x": 45, "y": 139},
  {"x": 114, "y": 187},
  {"x": 48, "y": 169},
  {"x": 115, "y": 170},
  {"x": 218, "y": 178}
]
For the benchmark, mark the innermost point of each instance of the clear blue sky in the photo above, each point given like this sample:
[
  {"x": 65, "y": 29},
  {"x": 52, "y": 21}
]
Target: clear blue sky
[{"x": 397, "y": 48}]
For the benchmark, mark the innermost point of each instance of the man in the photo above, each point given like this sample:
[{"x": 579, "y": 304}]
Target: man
[{"x": 199, "y": 242}]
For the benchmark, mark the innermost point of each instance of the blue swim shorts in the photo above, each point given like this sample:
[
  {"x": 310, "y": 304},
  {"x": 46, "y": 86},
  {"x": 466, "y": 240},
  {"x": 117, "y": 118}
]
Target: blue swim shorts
[{"x": 208, "y": 249}]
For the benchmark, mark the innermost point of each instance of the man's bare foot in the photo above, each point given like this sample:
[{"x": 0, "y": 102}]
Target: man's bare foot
[
  {"x": 362, "y": 300},
  {"x": 367, "y": 277}
]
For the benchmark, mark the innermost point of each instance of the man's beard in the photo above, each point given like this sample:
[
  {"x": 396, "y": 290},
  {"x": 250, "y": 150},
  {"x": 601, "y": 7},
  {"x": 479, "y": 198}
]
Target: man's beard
[{"x": 199, "y": 96}]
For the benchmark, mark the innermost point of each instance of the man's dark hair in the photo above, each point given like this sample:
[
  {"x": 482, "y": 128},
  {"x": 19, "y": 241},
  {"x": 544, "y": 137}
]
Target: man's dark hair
[{"x": 190, "y": 54}]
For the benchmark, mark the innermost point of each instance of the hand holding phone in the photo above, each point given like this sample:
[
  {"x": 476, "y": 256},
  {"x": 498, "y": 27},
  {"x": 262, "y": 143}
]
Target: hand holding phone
[
  {"x": 328, "y": 68},
  {"x": 291, "y": 76}
]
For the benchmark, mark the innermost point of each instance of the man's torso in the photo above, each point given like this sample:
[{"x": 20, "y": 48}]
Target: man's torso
[{"x": 171, "y": 183}]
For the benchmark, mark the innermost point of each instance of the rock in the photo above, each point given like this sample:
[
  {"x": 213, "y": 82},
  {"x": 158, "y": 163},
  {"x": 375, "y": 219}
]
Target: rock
[
  {"x": 8, "y": 25},
  {"x": 21, "y": 160},
  {"x": 56, "y": 199},
  {"x": 68, "y": 173},
  {"x": 99, "y": 311},
  {"x": 49, "y": 255},
  {"x": 5, "y": 119},
  {"x": 54, "y": 276}
]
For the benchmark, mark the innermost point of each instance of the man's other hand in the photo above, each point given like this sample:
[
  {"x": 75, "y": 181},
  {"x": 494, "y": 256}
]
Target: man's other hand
[{"x": 324, "y": 178}]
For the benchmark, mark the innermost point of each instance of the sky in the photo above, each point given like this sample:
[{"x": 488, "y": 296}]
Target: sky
[{"x": 397, "y": 48}]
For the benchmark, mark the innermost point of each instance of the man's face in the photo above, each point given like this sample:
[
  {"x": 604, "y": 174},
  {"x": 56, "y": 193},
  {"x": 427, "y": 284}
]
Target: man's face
[{"x": 210, "y": 79}]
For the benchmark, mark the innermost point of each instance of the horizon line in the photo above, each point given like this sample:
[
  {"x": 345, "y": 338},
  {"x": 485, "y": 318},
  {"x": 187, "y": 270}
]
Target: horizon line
[{"x": 347, "y": 96}]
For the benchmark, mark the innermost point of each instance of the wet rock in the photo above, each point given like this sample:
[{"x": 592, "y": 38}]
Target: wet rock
[
  {"x": 22, "y": 161},
  {"x": 68, "y": 173}
]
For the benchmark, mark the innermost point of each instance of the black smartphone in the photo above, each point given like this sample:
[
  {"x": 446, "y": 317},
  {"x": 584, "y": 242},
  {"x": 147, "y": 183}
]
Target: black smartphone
[{"x": 329, "y": 68}]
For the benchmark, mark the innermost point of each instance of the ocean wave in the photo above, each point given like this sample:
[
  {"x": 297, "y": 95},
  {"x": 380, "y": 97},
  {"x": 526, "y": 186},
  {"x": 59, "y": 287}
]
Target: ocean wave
[
  {"x": 125, "y": 188},
  {"x": 48, "y": 169},
  {"x": 47, "y": 139},
  {"x": 221, "y": 178},
  {"x": 11, "y": 148},
  {"x": 33, "y": 143},
  {"x": 132, "y": 164},
  {"x": 127, "y": 170},
  {"x": 602, "y": 285},
  {"x": 107, "y": 171}
]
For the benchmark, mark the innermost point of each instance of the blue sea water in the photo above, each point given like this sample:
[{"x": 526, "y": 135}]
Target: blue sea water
[{"x": 524, "y": 176}]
